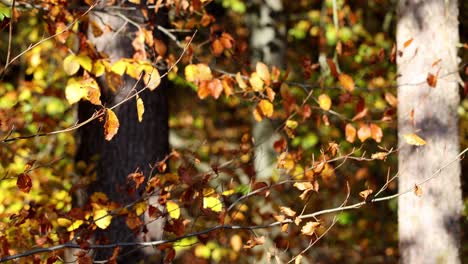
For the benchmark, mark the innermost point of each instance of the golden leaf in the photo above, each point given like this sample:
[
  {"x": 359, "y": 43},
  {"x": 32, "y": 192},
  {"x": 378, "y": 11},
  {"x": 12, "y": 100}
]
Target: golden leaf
[
  {"x": 102, "y": 218},
  {"x": 140, "y": 108},
  {"x": 240, "y": 81},
  {"x": 266, "y": 108},
  {"x": 111, "y": 126},
  {"x": 212, "y": 203},
  {"x": 74, "y": 92},
  {"x": 346, "y": 81},
  {"x": 417, "y": 190},
  {"x": 324, "y": 102},
  {"x": 376, "y": 132},
  {"x": 414, "y": 139},
  {"x": 152, "y": 79},
  {"x": 173, "y": 209},
  {"x": 71, "y": 64},
  {"x": 236, "y": 243},
  {"x": 85, "y": 62},
  {"x": 263, "y": 72},
  {"x": 309, "y": 228},
  {"x": 119, "y": 67},
  {"x": 256, "y": 82},
  {"x": 350, "y": 133}
]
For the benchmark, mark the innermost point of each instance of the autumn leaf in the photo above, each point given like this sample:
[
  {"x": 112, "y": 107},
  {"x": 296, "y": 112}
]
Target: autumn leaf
[
  {"x": 240, "y": 81},
  {"x": 213, "y": 203},
  {"x": 102, "y": 218},
  {"x": 346, "y": 81},
  {"x": 417, "y": 190},
  {"x": 256, "y": 82},
  {"x": 152, "y": 79},
  {"x": 266, "y": 108},
  {"x": 24, "y": 182},
  {"x": 198, "y": 72},
  {"x": 263, "y": 72},
  {"x": 414, "y": 139},
  {"x": 287, "y": 211},
  {"x": 111, "y": 126},
  {"x": 71, "y": 65},
  {"x": 350, "y": 133},
  {"x": 173, "y": 209},
  {"x": 431, "y": 80},
  {"x": 140, "y": 108},
  {"x": 119, "y": 67},
  {"x": 309, "y": 228},
  {"x": 324, "y": 102},
  {"x": 236, "y": 243},
  {"x": 365, "y": 194},
  {"x": 391, "y": 99},
  {"x": 364, "y": 133},
  {"x": 376, "y": 132},
  {"x": 255, "y": 241},
  {"x": 407, "y": 43}
]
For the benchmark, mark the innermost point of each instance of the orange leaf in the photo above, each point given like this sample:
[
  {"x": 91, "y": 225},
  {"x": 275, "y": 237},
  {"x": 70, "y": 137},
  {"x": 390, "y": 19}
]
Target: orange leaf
[
  {"x": 376, "y": 133},
  {"x": 266, "y": 108},
  {"x": 111, "y": 126},
  {"x": 350, "y": 132},
  {"x": 391, "y": 99},
  {"x": 309, "y": 228},
  {"x": 417, "y": 190},
  {"x": 24, "y": 182},
  {"x": 431, "y": 80},
  {"x": 217, "y": 47},
  {"x": 288, "y": 211},
  {"x": 270, "y": 94},
  {"x": 364, "y": 133},
  {"x": 346, "y": 81},
  {"x": 216, "y": 88},
  {"x": 227, "y": 85},
  {"x": 408, "y": 42}
]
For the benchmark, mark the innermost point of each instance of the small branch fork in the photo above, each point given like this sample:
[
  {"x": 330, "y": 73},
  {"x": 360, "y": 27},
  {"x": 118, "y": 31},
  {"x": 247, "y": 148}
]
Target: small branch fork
[{"x": 341, "y": 208}]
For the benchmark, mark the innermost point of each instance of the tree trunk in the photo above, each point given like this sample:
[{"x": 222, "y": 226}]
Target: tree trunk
[
  {"x": 427, "y": 34},
  {"x": 268, "y": 42},
  {"x": 136, "y": 145}
]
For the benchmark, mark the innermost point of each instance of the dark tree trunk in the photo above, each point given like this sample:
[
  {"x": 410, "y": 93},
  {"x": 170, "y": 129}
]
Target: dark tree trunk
[
  {"x": 427, "y": 35},
  {"x": 136, "y": 145}
]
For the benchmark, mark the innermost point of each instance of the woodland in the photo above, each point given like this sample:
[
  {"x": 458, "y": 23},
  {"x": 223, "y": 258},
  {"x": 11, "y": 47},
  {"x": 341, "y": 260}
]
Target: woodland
[{"x": 233, "y": 131}]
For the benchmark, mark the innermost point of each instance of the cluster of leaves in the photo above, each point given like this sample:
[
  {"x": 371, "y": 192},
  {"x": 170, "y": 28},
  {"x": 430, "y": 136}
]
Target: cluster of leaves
[{"x": 334, "y": 109}]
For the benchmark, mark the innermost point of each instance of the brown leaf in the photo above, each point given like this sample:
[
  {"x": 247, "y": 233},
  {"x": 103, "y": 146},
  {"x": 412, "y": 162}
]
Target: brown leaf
[
  {"x": 309, "y": 228},
  {"x": 170, "y": 256},
  {"x": 115, "y": 254},
  {"x": 83, "y": 257},
  {"x": 137, "y": 178},
  {"x": 24, "y": 182},
  {"x": 332, "y": 67},
  {"x": 346, "y": 81},
  {"x": 255, "y": 241},
  {"x": 361, "y": 114},
  {"x": 111, "y": 126},
  {"x": 417, "y": 190},
  {"x": 133, "y": 221},
  {"x": 365, "y": 194},
  {"x": 431, "y": 80}
]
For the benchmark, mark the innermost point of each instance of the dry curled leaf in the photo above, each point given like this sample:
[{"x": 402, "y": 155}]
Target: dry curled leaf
[
  {"x": 365, "y": 194},
  {"x": 309, "y": 228},
  {"x": 288, "y": 211},
  {"x": 255, "y": 241},
  {"x": 111, "y": 126}
]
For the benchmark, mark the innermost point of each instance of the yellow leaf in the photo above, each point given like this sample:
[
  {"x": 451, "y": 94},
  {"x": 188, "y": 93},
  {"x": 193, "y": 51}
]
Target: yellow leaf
[
  {"x": 346, "y": 81},
  {"x": 212, "y": 203},
  {"x": 140, "y": 108},
  {"x": 102, "y": 219},
  {"x": 291, "y": 124},
  {"x": 85, "y": 62},
  {"x": 92, "y": 91},
  {"x": 71, "y": 64},
  {"x": 256, "y": 82},
  {"x": 64, "y": 222},
  {"x": 119, "y": 67},
  {"x": 173, "y": 209},
  {"x": 75, "y": 225},
  {"x": 198, "y": 72},
  {"x": 111, "y": 126},
  {"x": 414, "y": 139},
  {"x": 350, "y": 133},
  {"x": 74, "y": 92},
  {"x": 298, "y": 259},
  {"x": 99, "y": 68},
  {"x": 263, "y": 72},
  {"x": 191, "y": 72},
  {"x": 152, "y": 79},
  {"x": 301, "y": 186},
  {"x": 240, "y": 81},
  {"x": 309, "y": 228},
  {"x": 98, "y": 197},
  {"x": 134, "y": 70},
  {"x": 236, "y": 243},
  {"x": 140, "y": 208},
  {"x": 324, "y": 102},
  {"x": 137, "y": 2},
  {"x": 266, "y": 108}
]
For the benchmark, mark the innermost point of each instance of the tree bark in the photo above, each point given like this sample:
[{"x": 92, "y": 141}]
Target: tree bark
[
  {"x": 427, "y": 34},
  {"x": 268, "y": 42},
  {"x": 136, "y": 146}
]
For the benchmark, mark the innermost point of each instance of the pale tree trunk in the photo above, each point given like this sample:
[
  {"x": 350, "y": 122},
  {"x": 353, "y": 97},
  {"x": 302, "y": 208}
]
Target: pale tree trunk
[
  {"x": 428, "y": 225},
  {"x": 137, "y": 145},
  {"x": 268, "y": 45}
]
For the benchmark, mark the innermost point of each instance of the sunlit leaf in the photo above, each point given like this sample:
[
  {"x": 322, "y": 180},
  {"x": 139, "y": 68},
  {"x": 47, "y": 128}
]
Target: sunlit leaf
[
  {"x": 140, "y": 108},
  {"x": 291, "y": 124},
  {"x": 71, "y": 65},
  {"x": 365, "y": 194},
  {"x": 266, "y": 108},
  {"x": 414, "y": 139},
  {"x": 140, "y": 207},
  {"x": 173, "y": 209},
  {"x": 309, "y": 228},
  {"x": 240, "y": 81},
  {"x": 198, "y": 72},
  {"x": 85, "y": 62},
  {"x": 391, "y": 99},
  {"x": 212, "y": 203},
  {"x": 152, "y": 79},
  {"x": 287, "y": 211},
  {"x": 350, "y": 133},
  {"x": 102, "y": 218},
  {"x": 346, "y": 81},
  {"x": 324, "y": 102},
  {"x": 111, "y": 126},
  {"x": 75, "y": 225},
  {"x": 256, "y": 82},
  {"x": 263, "y": 72},
  {"x": 364, "y": 132},
  {"x": 119, "y": 67},
  {"x": 417, "y": 190},
  {"x": 376, "y": 132},
  {"x": 63, "y": 222},
  {"x": 236, "y": 242}
]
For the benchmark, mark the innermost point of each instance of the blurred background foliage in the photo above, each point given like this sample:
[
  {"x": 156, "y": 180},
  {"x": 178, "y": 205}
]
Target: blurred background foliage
[{"x": 210, "y": 132}]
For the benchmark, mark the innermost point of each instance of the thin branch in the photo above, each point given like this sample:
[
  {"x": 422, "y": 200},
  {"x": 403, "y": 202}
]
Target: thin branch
[{"x": 10, "y": 32}]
